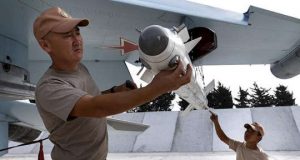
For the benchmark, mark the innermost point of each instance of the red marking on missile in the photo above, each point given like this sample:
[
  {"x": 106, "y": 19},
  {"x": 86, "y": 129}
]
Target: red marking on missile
[{"x": 126, "y": 46}]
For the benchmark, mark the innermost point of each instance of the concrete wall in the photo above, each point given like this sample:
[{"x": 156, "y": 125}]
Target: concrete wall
[
  {"x": 281, "y": 129},
  {"x": 172, "y": 132},
  {"x": 296, "y": 115},
  {"x": 195, "y": 132},
  {"x": 124, "y": 141},
  {"x": 160, "y": 134}
]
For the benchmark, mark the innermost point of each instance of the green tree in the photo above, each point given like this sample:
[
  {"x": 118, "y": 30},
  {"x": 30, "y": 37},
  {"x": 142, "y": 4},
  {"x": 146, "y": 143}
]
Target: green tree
[
  {"x": 161, "y": 103},
  {"x": 220, "y": 97},
  {"x": 243, "y": 99},
  {"x": 282, "y": 97},
  {"x": 261, "y": 97}
]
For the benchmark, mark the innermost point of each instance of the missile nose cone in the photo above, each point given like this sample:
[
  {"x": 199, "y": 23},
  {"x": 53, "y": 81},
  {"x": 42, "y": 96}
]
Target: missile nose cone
[{"x": 153, "y": 40}]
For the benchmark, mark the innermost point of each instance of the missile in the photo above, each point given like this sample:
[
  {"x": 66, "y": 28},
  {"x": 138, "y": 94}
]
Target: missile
[{"x": 160, "y": 48}]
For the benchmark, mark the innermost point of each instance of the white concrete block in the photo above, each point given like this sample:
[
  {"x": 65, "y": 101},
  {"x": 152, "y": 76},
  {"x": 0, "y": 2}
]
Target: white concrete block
[
  {"x": 281, "y": 131},
  {"x": 193, "y": 132},
  {"x": 119, "y": 141},
  {"x": 159, "y": 136},
  {"x": 296, "y": 114}
]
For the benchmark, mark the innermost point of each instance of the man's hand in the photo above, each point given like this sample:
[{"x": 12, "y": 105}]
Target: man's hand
[
  {"x": 169, "y": 80},
  {"x": 223, "y": 137},
  {"x": 214, "y": 117}
]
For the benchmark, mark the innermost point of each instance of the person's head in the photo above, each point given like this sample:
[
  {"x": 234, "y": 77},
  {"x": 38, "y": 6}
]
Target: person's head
[
  {"x": 58, "y": 35},
  {"x": 254, "y": 132}
]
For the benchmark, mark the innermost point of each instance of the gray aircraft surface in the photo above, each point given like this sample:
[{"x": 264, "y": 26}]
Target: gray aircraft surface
[{"x": 227, "y": 38}]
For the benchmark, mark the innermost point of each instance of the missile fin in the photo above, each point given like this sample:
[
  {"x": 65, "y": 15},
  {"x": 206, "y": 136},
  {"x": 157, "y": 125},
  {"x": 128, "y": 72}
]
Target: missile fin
[
  {"x": 187, "y": 110},
  {"x": 184, "y": 34},
  {"x": 209, "y": 87},
  {"x": 191, "y": 44},
  {"x": 147, "y": 76}
]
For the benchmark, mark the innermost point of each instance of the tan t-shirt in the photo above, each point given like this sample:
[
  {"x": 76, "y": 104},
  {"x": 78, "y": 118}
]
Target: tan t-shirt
[
  {"x": 78, "y": 138},
  {"x": 244, "y": 153}
]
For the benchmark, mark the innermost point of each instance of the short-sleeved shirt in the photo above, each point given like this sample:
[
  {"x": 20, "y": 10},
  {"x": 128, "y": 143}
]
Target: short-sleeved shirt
[
  {"x": 80, "y": 138},
  {"x": 244, "y": 153}
]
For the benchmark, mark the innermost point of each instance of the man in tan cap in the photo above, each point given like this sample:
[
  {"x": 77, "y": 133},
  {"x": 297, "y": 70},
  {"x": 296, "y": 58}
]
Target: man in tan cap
[
  {"x": 72, "y": 107},
  {"x": 248, "y": 150}
]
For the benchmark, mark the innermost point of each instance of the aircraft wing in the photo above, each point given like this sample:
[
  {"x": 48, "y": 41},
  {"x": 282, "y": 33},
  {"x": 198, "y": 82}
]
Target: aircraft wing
[
  {"x": 189, "y": 9},
  {"x": 256, "y": 37},
  {"x": 126, "y": 125},
  {"x": 21, "y": 122}
]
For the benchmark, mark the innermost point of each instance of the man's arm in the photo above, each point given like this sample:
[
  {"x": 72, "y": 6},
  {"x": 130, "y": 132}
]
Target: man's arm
[
  {"x": 128, "y": 85},
  {"x": 223, "y": 137},
  {"x": 114, "y": 103}
]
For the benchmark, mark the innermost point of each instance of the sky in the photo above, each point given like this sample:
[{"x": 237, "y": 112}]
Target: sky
[{"x": 246, "y": 75}]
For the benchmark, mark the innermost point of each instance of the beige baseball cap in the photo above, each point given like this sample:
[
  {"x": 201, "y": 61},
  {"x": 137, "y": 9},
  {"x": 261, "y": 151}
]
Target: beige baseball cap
[
  {"x": 256, "y": 126},
  {"x": 55, "y": 20}
]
